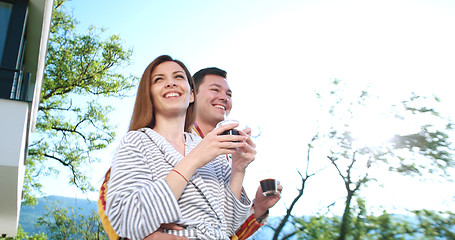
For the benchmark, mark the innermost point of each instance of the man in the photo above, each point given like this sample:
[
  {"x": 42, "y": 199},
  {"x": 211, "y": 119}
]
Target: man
[{"x": 213, "y": 97}]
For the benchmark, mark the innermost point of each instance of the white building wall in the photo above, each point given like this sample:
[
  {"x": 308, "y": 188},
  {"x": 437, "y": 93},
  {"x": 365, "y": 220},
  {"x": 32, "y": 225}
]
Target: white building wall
[{"x": 13, "y": 141}]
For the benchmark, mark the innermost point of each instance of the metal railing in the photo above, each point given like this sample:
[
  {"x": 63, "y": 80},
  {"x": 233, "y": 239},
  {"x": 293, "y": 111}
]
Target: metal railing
[{"x": 14, "y": 84}]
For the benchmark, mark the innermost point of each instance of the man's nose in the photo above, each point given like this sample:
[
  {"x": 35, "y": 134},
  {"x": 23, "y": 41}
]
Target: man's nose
[{"x": 223, "y": 96}]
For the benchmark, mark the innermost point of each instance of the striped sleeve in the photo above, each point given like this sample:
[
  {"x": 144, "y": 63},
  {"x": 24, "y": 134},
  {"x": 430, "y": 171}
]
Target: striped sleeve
[
  {"x": 235, "y": 211},
  {"x": 136, "y": 205}
]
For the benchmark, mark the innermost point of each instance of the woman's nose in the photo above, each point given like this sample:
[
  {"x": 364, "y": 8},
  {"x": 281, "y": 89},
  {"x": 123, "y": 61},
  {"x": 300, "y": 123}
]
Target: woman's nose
[{"x": 171, "y": 83}]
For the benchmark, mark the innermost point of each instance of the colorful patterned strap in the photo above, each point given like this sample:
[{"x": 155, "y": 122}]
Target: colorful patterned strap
[
  {"x": 248, "y": 228},
  {"x": 102, "y": 208},
  {"x": 197, "y": 130}
]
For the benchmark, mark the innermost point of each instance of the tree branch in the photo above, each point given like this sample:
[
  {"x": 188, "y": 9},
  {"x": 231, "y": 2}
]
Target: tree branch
[
  {"x": 63, "y": 130},
  {"x": 66, "y": 164}
]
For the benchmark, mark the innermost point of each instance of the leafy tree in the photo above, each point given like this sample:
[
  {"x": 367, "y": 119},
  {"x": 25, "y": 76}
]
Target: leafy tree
[
  {"x": 385, "y": 226},
  {"x": 66, "y": 223},
  {"x": 429, "y": 145},
  {"x": 72, "y": 120},
  {"x": 317, "y": 227},
  {"x": 423, "y": 149},
  {"x": 58, "y": 223},
  {"x": 426, "y": 148},
  {"x": 419, "y": 224},
  {"x": 436, "y": 225},
  {"x": 21, "y": 235}
]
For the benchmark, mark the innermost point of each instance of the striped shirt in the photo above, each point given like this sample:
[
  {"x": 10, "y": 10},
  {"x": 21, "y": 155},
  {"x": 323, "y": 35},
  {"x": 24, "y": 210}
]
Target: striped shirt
[
  {"x": 139, "y": 200},
  {"x": 250, "y": 225}
]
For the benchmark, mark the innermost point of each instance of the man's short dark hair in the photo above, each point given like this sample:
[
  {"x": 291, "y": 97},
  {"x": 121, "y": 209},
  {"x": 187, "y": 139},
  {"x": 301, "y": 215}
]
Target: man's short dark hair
[{"x": 199, "y": 75}]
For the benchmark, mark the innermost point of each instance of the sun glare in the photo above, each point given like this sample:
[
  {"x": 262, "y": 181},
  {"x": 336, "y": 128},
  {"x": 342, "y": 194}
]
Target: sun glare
[
  {"x": 374, "y": 126},
  {"x": 372, "y": 130}
]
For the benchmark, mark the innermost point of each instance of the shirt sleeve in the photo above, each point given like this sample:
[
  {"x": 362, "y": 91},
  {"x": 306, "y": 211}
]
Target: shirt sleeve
[
  {"x": 135, "y": 204},
  {"x": 248, "y": 228},
  {"x": 235, "y": 210}
]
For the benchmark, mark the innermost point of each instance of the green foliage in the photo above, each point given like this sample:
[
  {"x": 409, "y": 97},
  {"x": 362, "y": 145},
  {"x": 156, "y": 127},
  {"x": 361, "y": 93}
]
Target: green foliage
[
  {"x": 72, "y": 120},
  {"x": 425, "y": 148},
  {"x": 21, "y": 235},
  {"x": 58, "y": 223},
  {"x": 68, "y": 223},
  {"x": 431, "y": 141},
  {"x": 384, "y": 226},
  {"x": 30, "y": 214},
  {"x": 420, "y": 224},
  {"x": 436, "y": 225},
  {"x": 317, "y": 228},
  {"x": 57, "y": 217}
]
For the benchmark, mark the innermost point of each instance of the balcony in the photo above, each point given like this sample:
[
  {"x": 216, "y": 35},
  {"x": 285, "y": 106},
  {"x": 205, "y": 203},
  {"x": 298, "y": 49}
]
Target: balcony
[{"x": 24, "y": 34}]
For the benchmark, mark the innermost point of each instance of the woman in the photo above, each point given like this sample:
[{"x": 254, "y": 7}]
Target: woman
[{"x": 162, "y": 174}]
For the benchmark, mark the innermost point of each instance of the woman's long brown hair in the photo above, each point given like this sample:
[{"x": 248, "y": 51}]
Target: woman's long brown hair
[{"x": 143, "y": 115}]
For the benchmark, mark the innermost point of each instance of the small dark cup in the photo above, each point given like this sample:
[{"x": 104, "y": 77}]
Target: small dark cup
[
  {"x": 268, "y": 186},
  {"x": 231, "y": 132}
]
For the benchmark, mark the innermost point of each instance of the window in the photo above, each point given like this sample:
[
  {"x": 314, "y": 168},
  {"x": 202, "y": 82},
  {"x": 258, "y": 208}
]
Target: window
[
  {"x": 13, "y": 16},
  {"x": 5, "y": 13}
]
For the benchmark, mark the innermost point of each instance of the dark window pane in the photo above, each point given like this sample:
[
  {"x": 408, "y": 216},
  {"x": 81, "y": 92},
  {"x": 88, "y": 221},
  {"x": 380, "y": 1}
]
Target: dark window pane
[{"x": 5, "y": 13}]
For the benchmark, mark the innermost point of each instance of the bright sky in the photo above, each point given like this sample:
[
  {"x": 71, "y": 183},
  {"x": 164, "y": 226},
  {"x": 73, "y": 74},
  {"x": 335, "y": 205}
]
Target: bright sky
[{"x": 276, "y": 56}]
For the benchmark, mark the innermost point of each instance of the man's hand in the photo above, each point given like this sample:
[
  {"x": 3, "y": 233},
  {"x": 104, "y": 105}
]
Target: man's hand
[
  {"x": 160, "y": 235},
  {"x": 263, "y": 203},
  {"x": 244, "y": 155},
  {"x": 214, "y": 144}
]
